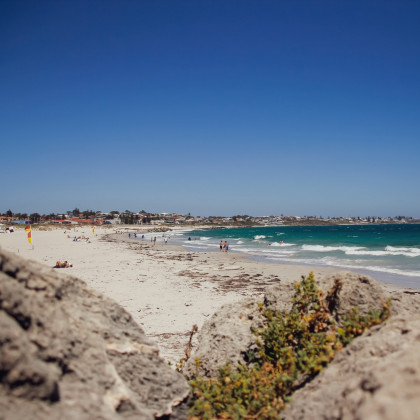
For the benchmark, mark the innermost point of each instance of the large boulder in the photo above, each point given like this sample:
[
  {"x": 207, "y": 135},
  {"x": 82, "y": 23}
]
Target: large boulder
[
  {"x": 353, "y": 290},
  {"x": 67, "y": 352},
  {"x": 376, "y": 377},
  {"x": 227, "y": 336}
]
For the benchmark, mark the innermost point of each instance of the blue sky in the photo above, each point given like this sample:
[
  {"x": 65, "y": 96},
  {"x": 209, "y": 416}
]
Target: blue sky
[{"x": 211, "y": 107}]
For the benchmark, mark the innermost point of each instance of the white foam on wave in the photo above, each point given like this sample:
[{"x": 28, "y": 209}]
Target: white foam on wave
[
  {"x": 204, "y": 238},
  {"x": 203, "y": 244},
  {"x": 400, "y": 248},
  {"x": 259, "y": 237},
  {"x": 182, "y": 231},
  {"x": 335, "y": 262},
  {"x": 264, "y": 251},
  {"x": 360, "y": 250},
  {"x": 248, "y": 250},
  {"x": 239, "y": 242},
  {"x": 378, "y": 253},
  {"x": 345, "y": 264},
  {"x": 392, "y": 271},
  {"x": 415, "y": 252},
  {"x": 322, "y": 248},
  {"x": 281, "y": 244},
  {"x": 278, "y": 252}
]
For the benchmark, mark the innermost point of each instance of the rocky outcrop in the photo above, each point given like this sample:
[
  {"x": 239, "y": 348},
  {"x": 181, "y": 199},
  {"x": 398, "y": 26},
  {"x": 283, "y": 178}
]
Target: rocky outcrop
[
  {"x": 67, "y": 352},
  {"x": 355, "y": 290},
  {"x": 375, "y": 377},
  {"x": 228, "y": 335}
]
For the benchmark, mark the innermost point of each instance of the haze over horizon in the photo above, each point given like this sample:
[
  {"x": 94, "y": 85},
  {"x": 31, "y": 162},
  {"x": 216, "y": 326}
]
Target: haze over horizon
[{"x": 211, "y": 107}]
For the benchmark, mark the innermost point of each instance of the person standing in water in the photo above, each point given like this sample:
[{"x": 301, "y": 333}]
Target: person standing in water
[
  {"x": 226, "y": 246},
  {"x": 221, "y": 245}
]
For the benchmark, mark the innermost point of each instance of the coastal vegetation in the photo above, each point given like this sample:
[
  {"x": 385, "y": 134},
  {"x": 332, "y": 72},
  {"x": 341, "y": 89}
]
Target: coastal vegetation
[{"x": 292, "y": 348}]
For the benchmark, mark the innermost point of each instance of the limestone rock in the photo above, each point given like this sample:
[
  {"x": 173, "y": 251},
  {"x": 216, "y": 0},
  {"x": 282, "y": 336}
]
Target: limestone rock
[
  {"x": 356, "y": 290},
  {"x": 227, "y": 336},
  {"x": 68, "y": 352},
  {"x": 376, "y": 377}
]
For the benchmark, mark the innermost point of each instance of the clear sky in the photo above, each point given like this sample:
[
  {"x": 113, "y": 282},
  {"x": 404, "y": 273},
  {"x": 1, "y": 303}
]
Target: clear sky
[{"x": 217, "y": 107}]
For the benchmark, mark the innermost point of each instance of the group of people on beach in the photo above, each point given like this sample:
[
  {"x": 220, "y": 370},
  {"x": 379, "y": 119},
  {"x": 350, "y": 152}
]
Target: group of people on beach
[
  {"x": 165, "y": 240},
  {"x": 153, "y": 239},
  {"x": 134, "y": 235},
  {"x": 224, "y": 246},
  {"x": 79, "y": 238}
]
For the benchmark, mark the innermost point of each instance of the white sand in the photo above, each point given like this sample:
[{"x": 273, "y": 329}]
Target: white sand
[{"x": 166, "y": 289}]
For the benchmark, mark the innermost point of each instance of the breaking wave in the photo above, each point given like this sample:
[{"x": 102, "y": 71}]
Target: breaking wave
[{"x": 321, "y": 248}]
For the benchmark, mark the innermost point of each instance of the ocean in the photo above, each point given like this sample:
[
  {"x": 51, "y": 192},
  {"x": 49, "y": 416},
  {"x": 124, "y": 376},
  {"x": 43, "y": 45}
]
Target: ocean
[{"x": 389, "y": 253}]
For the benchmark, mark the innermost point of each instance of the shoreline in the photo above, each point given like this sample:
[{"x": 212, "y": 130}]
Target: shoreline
[
  {"x": 388, "y": 278},
  {"x": 166, "y": 288},
  {"x": 385, "y": 273}
]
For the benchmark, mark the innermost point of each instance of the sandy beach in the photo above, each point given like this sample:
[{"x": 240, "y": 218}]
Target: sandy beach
[{"x": 167, "y": 289}]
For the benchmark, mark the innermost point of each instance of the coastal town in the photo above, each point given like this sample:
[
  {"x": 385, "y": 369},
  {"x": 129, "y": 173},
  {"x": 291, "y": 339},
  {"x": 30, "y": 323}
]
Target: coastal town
[{"x": 146, "y": 218}]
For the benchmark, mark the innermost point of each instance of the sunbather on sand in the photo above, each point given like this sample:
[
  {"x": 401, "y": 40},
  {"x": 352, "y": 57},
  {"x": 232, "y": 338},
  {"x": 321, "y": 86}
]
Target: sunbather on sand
[{"x": 64, "y": 264}]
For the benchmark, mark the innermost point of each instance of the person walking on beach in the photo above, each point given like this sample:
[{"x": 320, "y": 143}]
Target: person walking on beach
[
  {"x": 226, "y": 246},
  {"x": 154, "y": 241},
  {"x": 221, "y": 245}
]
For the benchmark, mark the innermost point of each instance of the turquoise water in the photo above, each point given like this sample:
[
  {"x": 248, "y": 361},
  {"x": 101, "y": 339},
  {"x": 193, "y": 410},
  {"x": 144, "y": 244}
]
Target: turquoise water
[{"x": 390, "y": 253}]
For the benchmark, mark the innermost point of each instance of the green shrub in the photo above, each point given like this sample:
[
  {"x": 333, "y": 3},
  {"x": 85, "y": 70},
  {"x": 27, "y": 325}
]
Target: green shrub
[{"x": 293, "y": 348}]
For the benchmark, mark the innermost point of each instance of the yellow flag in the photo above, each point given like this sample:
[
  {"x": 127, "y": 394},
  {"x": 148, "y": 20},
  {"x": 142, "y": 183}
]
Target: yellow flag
[{"x": 28, "y": 229}]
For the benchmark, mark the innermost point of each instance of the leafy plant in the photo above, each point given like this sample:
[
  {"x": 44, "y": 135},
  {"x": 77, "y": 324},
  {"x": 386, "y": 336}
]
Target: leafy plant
[{"x": 293, "y": 348}]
